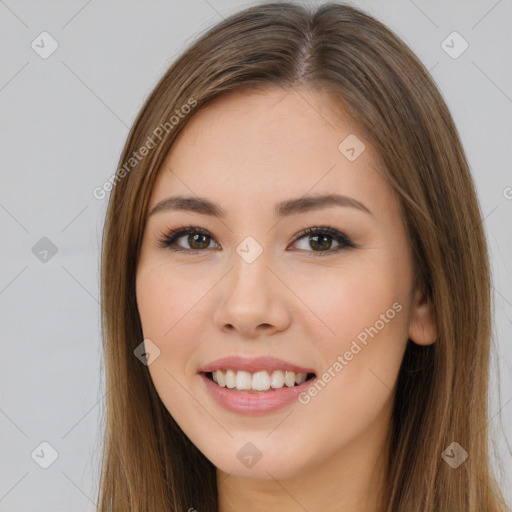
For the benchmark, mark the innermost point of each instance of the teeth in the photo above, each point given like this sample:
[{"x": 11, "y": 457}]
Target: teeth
[
  {"x": 259, "y": 381},
  {"x": 220, "y": 379},
  {"x": 243, "y": 380},
  {"x": 230, "y": 379},
  {"x": 300, "y": 378},
  {"x": 289, "y": 378},
  {"x": 277, "y": 379}
]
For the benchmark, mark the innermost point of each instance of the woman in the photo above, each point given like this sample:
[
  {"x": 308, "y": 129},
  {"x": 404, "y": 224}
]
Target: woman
[{"x": 295, "y": 282}]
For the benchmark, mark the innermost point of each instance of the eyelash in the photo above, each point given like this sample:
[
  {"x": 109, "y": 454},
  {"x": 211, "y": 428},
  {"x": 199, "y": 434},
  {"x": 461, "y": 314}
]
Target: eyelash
[{"x": 168, "y": 239}]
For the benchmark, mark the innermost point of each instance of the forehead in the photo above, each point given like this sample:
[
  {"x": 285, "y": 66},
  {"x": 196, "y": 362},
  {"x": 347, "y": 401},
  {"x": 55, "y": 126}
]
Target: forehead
[{"x": 268, "y": 144}]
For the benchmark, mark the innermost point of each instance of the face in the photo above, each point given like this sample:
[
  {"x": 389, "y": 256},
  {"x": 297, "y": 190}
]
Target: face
[{"x": 246, "y": 299}]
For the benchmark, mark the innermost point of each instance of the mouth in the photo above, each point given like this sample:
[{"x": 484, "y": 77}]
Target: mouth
[
  {"x": 255, "y": 386},
  {"x": 258, "y": 382}
]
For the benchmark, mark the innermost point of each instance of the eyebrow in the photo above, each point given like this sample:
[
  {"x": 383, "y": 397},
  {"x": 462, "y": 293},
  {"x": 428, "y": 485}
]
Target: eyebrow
[{"x": 284, "y": 209}]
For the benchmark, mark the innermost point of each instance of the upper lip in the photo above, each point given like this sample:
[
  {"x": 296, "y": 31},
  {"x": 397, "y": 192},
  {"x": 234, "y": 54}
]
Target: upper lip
[{"x": 252, "y": 365}]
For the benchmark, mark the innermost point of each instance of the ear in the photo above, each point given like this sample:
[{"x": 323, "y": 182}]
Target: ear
[{"x": 422, "y": 326}]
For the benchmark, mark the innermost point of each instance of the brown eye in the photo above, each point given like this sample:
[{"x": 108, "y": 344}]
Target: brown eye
[
  {"x": 197, "y": 241},
  {"x": 317, "y": 240},
  {"x": 320, "y": 239},
  {"x": 194, "y": 239}
]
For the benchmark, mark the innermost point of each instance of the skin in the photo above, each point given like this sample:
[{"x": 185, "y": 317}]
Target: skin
[{"x": 297, "y": 301}]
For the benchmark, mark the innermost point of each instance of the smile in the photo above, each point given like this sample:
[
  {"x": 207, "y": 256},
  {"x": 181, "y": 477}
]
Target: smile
[{"x": 254, "y": 386}]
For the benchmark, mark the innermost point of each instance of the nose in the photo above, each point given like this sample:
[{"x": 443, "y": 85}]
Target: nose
[{"x": 253, "y": 301}]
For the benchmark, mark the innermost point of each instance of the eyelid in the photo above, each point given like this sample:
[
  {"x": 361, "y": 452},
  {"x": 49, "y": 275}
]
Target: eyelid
[
  {"x": 337, "y": 235},
  {"x": 167, "y": 239}
]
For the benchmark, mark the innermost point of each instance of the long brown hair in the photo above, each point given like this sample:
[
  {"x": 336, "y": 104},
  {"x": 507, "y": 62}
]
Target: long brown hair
[{"x": 441, "y": 397}]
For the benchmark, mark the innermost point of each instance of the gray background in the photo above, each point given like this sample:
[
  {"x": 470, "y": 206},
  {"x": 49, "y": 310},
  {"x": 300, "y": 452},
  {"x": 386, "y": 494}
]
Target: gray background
[{"x": 64, "y": 120}]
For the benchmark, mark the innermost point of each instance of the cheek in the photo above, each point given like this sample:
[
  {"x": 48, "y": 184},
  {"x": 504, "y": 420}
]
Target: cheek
[
  {"x": 173, "y": 304},
  {"x": 365, "y": 308},
  {"x": 166, "y": 312},
  {"x": 360, "y": 364},
  {"x": 351, "y": 301},
  {"x": 167, "y": 299}
]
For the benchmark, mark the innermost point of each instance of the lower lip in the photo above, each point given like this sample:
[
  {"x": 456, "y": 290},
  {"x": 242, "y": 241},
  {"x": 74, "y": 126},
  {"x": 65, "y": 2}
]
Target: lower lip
[{"x": 253, "y": 404}]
